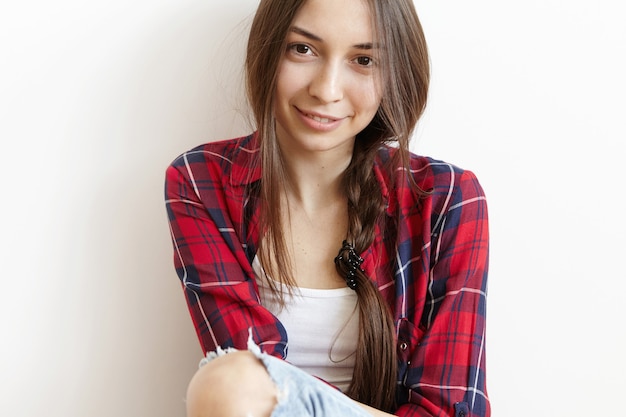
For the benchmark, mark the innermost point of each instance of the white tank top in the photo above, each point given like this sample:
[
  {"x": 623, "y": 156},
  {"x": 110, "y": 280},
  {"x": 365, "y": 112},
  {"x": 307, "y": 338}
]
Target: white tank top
[{"x": 322, "y": 327}]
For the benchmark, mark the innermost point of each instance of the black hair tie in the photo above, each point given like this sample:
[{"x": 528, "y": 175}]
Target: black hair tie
[{"x": 350, "y": 261}]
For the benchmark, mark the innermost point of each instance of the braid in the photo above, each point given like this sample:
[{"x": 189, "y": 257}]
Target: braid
[{"x": 374, "y": 375}]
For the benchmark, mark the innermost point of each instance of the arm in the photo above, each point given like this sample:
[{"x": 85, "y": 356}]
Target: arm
[
  {"x": 210, "y": 259},
  {"x": 444, "y": 366},
  {"x": 374, "y": 411}
]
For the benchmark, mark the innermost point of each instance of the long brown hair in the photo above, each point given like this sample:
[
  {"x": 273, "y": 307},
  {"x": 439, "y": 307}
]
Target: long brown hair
[{"x": 404, "y": 72}]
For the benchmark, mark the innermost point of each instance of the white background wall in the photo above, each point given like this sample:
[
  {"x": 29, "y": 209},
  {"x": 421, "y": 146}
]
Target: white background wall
[{"x": 96, "y": 98}]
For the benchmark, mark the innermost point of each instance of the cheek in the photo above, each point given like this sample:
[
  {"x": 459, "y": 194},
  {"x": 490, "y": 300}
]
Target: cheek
[
  {"x": 287, "y": 82},
  {"x": 279, "y": 91},
  {"x": 368, "y": 97},
  {"x": 369, "y": 103}
]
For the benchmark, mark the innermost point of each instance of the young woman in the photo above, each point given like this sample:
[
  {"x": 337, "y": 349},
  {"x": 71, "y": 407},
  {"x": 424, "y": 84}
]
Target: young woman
[{"x": 343, "y": 275}]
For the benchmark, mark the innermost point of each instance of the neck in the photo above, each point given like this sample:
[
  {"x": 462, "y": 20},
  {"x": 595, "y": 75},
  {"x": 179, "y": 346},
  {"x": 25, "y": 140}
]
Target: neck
[{"x": 314, "y": 181}]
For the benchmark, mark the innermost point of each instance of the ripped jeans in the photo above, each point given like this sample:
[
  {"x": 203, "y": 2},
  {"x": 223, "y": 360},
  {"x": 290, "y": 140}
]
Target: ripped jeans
[{"x": 300, "y": 394}]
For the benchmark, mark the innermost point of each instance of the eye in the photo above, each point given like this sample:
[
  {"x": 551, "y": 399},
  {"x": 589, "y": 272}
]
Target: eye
[
  {"x": 300, "y": 48},
  {"x": 364, "y": 61}
]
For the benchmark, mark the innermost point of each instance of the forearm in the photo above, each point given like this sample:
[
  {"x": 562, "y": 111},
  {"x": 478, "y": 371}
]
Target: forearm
[{"x": 373, "y": 411}]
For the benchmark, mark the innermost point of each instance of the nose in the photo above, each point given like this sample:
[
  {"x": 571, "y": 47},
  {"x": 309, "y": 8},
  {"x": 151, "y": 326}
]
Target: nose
[{"x": 326, "y": 84}]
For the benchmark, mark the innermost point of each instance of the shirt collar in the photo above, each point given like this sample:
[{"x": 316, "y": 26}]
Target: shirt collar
[
  {"x": 247, "y": 168},
  {"x": 384, "y": 179},
  {"x": 246, "y": 162}
]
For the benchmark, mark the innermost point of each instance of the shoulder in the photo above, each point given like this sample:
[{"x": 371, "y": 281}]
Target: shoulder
[
  {"x": 443, "y": 178},
  {"x": 219, "y": 152},
  {"x": 231, "y": 158},
  {"x": 439, "y": 183}
]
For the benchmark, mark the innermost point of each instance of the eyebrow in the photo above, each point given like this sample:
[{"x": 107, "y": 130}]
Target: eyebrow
[{"x": 307, "y": 34}]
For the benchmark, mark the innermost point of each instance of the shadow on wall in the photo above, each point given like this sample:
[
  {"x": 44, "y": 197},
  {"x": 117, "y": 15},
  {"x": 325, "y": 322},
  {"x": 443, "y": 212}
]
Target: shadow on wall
[
  {"x": 180, "y": 95},
  {"x": 141, "y": 89}
]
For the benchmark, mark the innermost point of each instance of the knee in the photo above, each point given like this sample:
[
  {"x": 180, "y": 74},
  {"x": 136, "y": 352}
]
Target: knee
[{"x": 236, "y": 384}]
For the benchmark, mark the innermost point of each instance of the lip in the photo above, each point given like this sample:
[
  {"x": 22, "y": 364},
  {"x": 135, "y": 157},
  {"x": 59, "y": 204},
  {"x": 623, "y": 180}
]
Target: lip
[{"x": 318, "y": 121}]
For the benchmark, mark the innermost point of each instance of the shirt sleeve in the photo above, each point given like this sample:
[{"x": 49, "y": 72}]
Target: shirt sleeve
[
  {"x": 445, "y": 375},
  {"x": 211, "y": 262}
]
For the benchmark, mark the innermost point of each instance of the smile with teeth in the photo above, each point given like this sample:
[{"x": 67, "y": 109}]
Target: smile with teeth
[{"x": 320, "y": 119}]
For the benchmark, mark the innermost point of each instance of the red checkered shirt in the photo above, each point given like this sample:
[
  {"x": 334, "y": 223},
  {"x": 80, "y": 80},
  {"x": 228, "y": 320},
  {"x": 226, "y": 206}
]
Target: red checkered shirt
[{"x": 429, "y": 260}]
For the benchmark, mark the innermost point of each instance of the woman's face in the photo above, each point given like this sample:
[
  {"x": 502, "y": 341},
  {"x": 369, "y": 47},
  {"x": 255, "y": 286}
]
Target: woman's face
[{"x": 327, "y": 88}]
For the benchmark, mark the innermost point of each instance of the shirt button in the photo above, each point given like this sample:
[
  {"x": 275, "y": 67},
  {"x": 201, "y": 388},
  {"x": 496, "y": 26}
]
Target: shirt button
[{"x": 403, "y": 346}]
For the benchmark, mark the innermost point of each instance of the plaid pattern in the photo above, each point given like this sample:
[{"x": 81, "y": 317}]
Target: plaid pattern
[{"x": 429, "y": 260}]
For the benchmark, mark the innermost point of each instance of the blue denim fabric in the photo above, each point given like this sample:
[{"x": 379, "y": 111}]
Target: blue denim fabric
[{"x": 301, "y": 394}]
